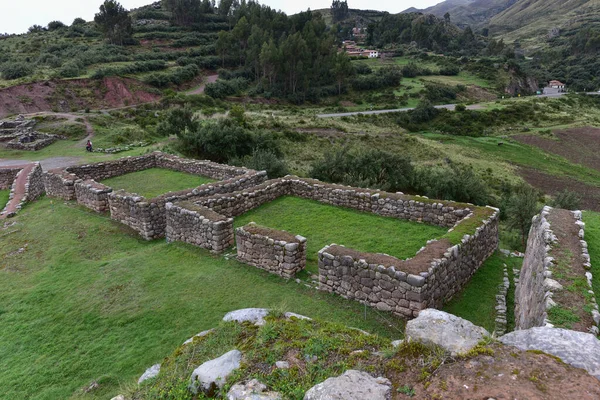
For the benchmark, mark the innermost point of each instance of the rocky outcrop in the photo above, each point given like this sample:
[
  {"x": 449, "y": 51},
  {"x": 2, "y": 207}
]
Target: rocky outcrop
[
  {"x": 579, "y": 349},
  {"x": 213, "y": 374},
  {"x": 253, "y": 315},
  {"x": 447, "y": 331},
  {"x": 352, "y": 385}
]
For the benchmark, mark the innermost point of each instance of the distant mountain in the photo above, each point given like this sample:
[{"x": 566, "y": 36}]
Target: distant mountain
[
  {"x": 529, "y": 21},
  {"x": 475, "y": 13}
]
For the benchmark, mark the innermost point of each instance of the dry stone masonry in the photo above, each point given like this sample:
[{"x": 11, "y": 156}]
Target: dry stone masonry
[
  {"x": 146, "y": 216},
  {"x": 404, "y": 287},
  {"x": 7, "y": 177},
  {"x": 277, "y": 252},
  {"x": 189, "y": 223},
  {"x": 19, "y": 134},
  {"x": 535, "y": 290}
]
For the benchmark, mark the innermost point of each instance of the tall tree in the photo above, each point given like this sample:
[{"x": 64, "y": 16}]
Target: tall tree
[
  {"x": 114, "y": 22},
  {"x": 339, "y": 10}
]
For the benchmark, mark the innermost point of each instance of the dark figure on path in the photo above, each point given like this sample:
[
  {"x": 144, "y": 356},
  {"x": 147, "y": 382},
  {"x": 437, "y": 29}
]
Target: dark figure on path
[{"x": 88, "y": 146}]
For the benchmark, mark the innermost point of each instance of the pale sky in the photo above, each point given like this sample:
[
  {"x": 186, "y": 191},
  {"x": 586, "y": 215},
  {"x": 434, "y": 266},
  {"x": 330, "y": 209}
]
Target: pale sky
[{"x": 18, "y": 15}]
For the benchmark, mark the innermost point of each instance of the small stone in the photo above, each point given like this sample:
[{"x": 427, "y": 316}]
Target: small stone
[
  {"x": 150, "y": 373},
  {"x": 282, "y": 365}
]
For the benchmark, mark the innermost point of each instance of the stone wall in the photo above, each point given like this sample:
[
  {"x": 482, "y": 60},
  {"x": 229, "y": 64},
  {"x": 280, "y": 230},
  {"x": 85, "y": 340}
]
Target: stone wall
[
  {"x": 92, "y": 195},
  {"x": 536, "y": 291},
  {"x": 412, "y": 208},
  {"x": 148, "y": 217},
  {"x": 34, "y": 187},
  {"x": 530, "y": 292},
  {"x": 277, "y": 252},
  {"x": 7, "y": 177},
  {"x": 405, "y": 287},
  {"x": 199, "y": 226},
  {"x": 60, "y": 184}
]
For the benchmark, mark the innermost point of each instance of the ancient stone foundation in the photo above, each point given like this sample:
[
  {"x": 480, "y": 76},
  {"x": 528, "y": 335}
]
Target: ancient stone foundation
[
  {"x": 277, "y": 252},
  {"x": 147, "y": 216},
  {"x": 7, "y": 177},
  {"x": 403, "y": 287},
  {"x": 406, "y": 287}
]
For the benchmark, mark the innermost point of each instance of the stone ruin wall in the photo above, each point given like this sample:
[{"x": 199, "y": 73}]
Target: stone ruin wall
[
  {"x": 274, "y": 251},
  {"x": 199, "y": 226},
  {"x": 92, "y": 195},
  {"x": 382, "y": 283},
  {"x": 34, "y": 187},
  {"x": 445, "y": 214},
  {"x": 60, "y": 184},
  {"x": 7, "y": 177},
  {"x": 530, "y": 293},
  {"x": 534, "y": 290},
  {"x": 148, "y": 217}
]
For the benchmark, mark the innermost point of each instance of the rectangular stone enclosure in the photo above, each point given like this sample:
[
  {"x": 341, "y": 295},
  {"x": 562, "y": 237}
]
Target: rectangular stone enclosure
[
  {"x": 146, "y": 216},
  {"x": 429, "y": 279}
]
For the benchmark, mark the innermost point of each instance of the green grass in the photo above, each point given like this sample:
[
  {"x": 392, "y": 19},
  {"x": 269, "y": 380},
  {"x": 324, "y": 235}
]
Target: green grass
[
  {"x": 323, "y": 225},
  {"x": 4, "y": 194},
  {"x": 463, "y": 78},
  {"x": 592, "y": 237},
  {"x": 90, "y": 301},
  {"x": 153, "y": 182},
  {"x": 477, "y": 301}
]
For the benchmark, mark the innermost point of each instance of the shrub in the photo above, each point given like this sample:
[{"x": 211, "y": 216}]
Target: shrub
[
  {"x": 460, "y": 108},
  {"x": 362, "y": 69},
  {"x": 264, "y": 160},
  {"x": 222, "y": 88},
  {"x": 15, "y": 70},
  {"x": 567, "y": 200},
  {"x": 449, "y": 70},
  {"x": 365, "y": 168},
  {"x": 453, "y": 182},
  {"x": 78, "y": 21},
  {"x": 521, "y": 206},
  {"x": 54, "y": 25},
  {"x": 177, "y": 121},
  {"x": 70, "y": 69}
]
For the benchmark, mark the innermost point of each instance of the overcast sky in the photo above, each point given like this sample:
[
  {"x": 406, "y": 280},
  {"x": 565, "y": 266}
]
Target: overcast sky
[{"x": 18, "y": 15}]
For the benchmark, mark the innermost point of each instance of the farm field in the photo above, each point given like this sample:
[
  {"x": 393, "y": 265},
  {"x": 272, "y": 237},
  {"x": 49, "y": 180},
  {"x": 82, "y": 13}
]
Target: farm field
[
  {"x": 323, "y": 225},
  {"x": 153, "y": 182}
]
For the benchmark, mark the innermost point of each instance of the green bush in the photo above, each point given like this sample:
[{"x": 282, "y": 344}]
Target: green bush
[
  {"x": 70, "y": 69},
  {"x": 264, "y": 160},
  {"x": 452, "y": 182},
  {"x": 15, "y": 70},
  {"x": 567, "y": 200},
  {"x": 365, "y": 168},
  {"x": 222, "y": 88}
]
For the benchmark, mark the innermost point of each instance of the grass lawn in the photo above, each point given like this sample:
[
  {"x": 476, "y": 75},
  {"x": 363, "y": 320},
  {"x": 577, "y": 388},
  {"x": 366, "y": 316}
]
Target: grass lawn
[
  {"x": 323, "y": 225},
  {"x": 153, "y": 182},
  {"x": 592, "y": 237},
  {"x": 90, "y": 301},
  {"x": 477, "y": 301},
  {"x": 4, "y": 194},
  {"x": 463, "y": 78}
]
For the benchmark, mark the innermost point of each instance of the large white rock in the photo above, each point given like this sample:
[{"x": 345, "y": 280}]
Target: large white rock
[
  {"x": 579, "y": 349},
  {"x": 254, "y": 315},
  {"x": 150, "y": 373},
  {"x": 253, "y": 390},
  {"x": 213, "y": 374},
  {"x": 448, "y": 331},
  {"x": 352, "y": 385}
]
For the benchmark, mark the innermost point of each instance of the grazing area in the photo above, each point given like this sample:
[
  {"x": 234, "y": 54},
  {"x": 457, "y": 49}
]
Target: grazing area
[
  {"x": 155, "y": 181},
  {"x": 477, "y": 301},
  {"x": 323, "y": 225},
  {"x": 92, "y": 302},
  {"x": 4, "y": 194}
]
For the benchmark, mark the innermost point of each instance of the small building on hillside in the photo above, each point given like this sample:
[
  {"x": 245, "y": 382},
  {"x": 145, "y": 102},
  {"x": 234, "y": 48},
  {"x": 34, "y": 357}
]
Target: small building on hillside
[{"x": 554, "y": 84}]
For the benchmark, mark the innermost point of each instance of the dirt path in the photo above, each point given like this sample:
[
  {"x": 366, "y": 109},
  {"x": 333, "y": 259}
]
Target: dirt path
[
  {"x": 19, "y": 193},
  {"x": 89, "y": 129},
  {"x": 200, "y": 89}
]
